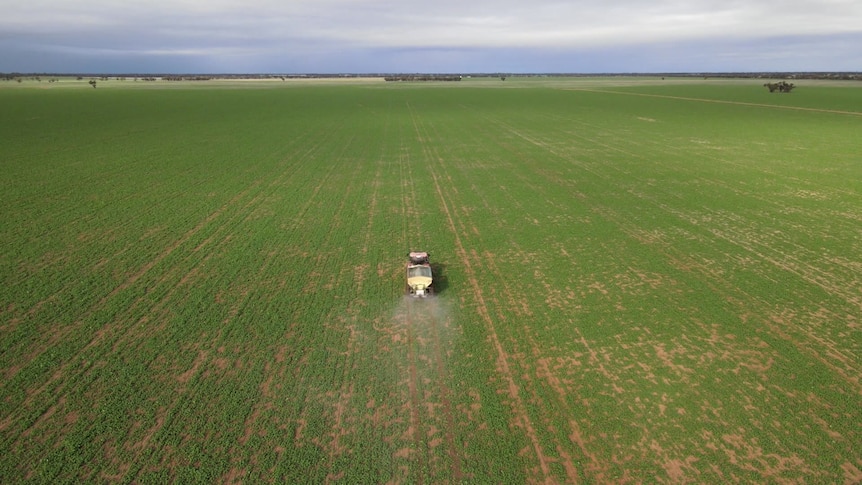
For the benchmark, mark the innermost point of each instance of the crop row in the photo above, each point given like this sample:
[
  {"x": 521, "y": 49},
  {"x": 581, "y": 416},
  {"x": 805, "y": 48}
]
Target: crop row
[{"x": 206, "y": 284}]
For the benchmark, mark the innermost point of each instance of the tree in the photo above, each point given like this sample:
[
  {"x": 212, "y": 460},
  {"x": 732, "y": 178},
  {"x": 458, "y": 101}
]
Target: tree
[{"x": 781, "y": 87}]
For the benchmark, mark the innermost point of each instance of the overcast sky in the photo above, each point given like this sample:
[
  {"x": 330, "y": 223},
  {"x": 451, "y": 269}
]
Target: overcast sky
[{"x": 361, "y": 36}]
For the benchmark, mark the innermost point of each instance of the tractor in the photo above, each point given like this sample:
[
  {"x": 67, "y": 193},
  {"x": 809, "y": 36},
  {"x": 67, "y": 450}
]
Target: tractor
[{"x": 419, "y": 274}]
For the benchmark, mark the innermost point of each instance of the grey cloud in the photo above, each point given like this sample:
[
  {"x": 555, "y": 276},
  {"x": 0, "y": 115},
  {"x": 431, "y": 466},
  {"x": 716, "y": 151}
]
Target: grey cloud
[{"x": 274, "y": 35}]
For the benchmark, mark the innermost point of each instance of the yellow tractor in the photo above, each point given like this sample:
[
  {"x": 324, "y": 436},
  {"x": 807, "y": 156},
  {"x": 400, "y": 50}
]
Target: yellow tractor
[{"x": 419, "y": 274}]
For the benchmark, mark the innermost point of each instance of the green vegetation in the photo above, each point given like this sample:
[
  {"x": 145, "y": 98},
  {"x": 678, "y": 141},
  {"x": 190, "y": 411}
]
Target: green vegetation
[{"x": 638, "y": 280}]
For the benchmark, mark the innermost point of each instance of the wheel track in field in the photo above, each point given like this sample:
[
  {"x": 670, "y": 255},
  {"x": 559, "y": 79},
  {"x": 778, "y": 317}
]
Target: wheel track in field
[
  {"x": 62, "y": 377},
  {"x": 109, "y": 333},
  {"x": 63, "y": 331},
  {"x": 595, "y": 469},
  {"x": 341, "y": 398},
  {"x": 664, "y": 147},
  {"x": 338, "y": 397},
  {"x": 271, "y": 371},
  {"x": 437, "y": 356},
  {"x": 779, "y": 259},
  {"x": 518, "y": 406},
  {"x": 782, "y": 260},
  {"x": 717, "y": 101},
  {"x": 426, "y": 320},
  {"x": 411, "y": 225},
  {"x": 812, "y": 274},
  {"x": 716, "y": 282},
  {"x": 824, "y": 279},
  {"x": 60, "y": 333},
  {"x": 446, "y": 401},
  {"x": 845, "y": 368},
  {"x": 520, "y": 307}
]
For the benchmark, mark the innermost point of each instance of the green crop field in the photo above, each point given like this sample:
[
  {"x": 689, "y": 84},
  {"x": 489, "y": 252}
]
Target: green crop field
[{"x": 637, "y": 281}]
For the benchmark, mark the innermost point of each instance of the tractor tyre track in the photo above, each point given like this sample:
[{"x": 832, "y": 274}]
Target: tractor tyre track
[
  {"x": 109, "y": 336},
  {"x": 411, "y": 226},
  {"x": 519, "y": 408},
  {"x": 718, "y": 101},
  {"x": 779, "y": 259}
]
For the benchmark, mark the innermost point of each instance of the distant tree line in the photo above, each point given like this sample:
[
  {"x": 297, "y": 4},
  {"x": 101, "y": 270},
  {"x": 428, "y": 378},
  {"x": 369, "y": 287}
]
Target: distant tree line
[
  {"x": 187, "y": 78},
  {"x": 19, "y": 78},
  {"x": 422, "y": 77},
  {"x": 847, "y": 76}
]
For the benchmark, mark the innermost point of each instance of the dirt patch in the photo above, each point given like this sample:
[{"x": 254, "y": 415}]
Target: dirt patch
[
  {"x": 681, "y": 471},
  {"x": 144, "y": 442},
  {"x": 852, "y": 474},
  {"x": 186, "y": 376}
]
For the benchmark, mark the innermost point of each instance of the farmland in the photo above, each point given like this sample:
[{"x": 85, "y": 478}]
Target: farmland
[{"x": 637, "y": 281}]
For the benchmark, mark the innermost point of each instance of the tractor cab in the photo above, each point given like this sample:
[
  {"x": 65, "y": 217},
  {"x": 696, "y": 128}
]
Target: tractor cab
[{"x": 419, "y": 277}]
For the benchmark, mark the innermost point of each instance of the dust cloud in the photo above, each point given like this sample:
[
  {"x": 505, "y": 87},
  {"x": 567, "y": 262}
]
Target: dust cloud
[{"x": 421, "y": 336}]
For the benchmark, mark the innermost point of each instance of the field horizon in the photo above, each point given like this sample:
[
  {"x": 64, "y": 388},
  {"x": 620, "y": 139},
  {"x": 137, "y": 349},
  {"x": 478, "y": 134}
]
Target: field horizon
[{"x": 638, "y": 280}]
